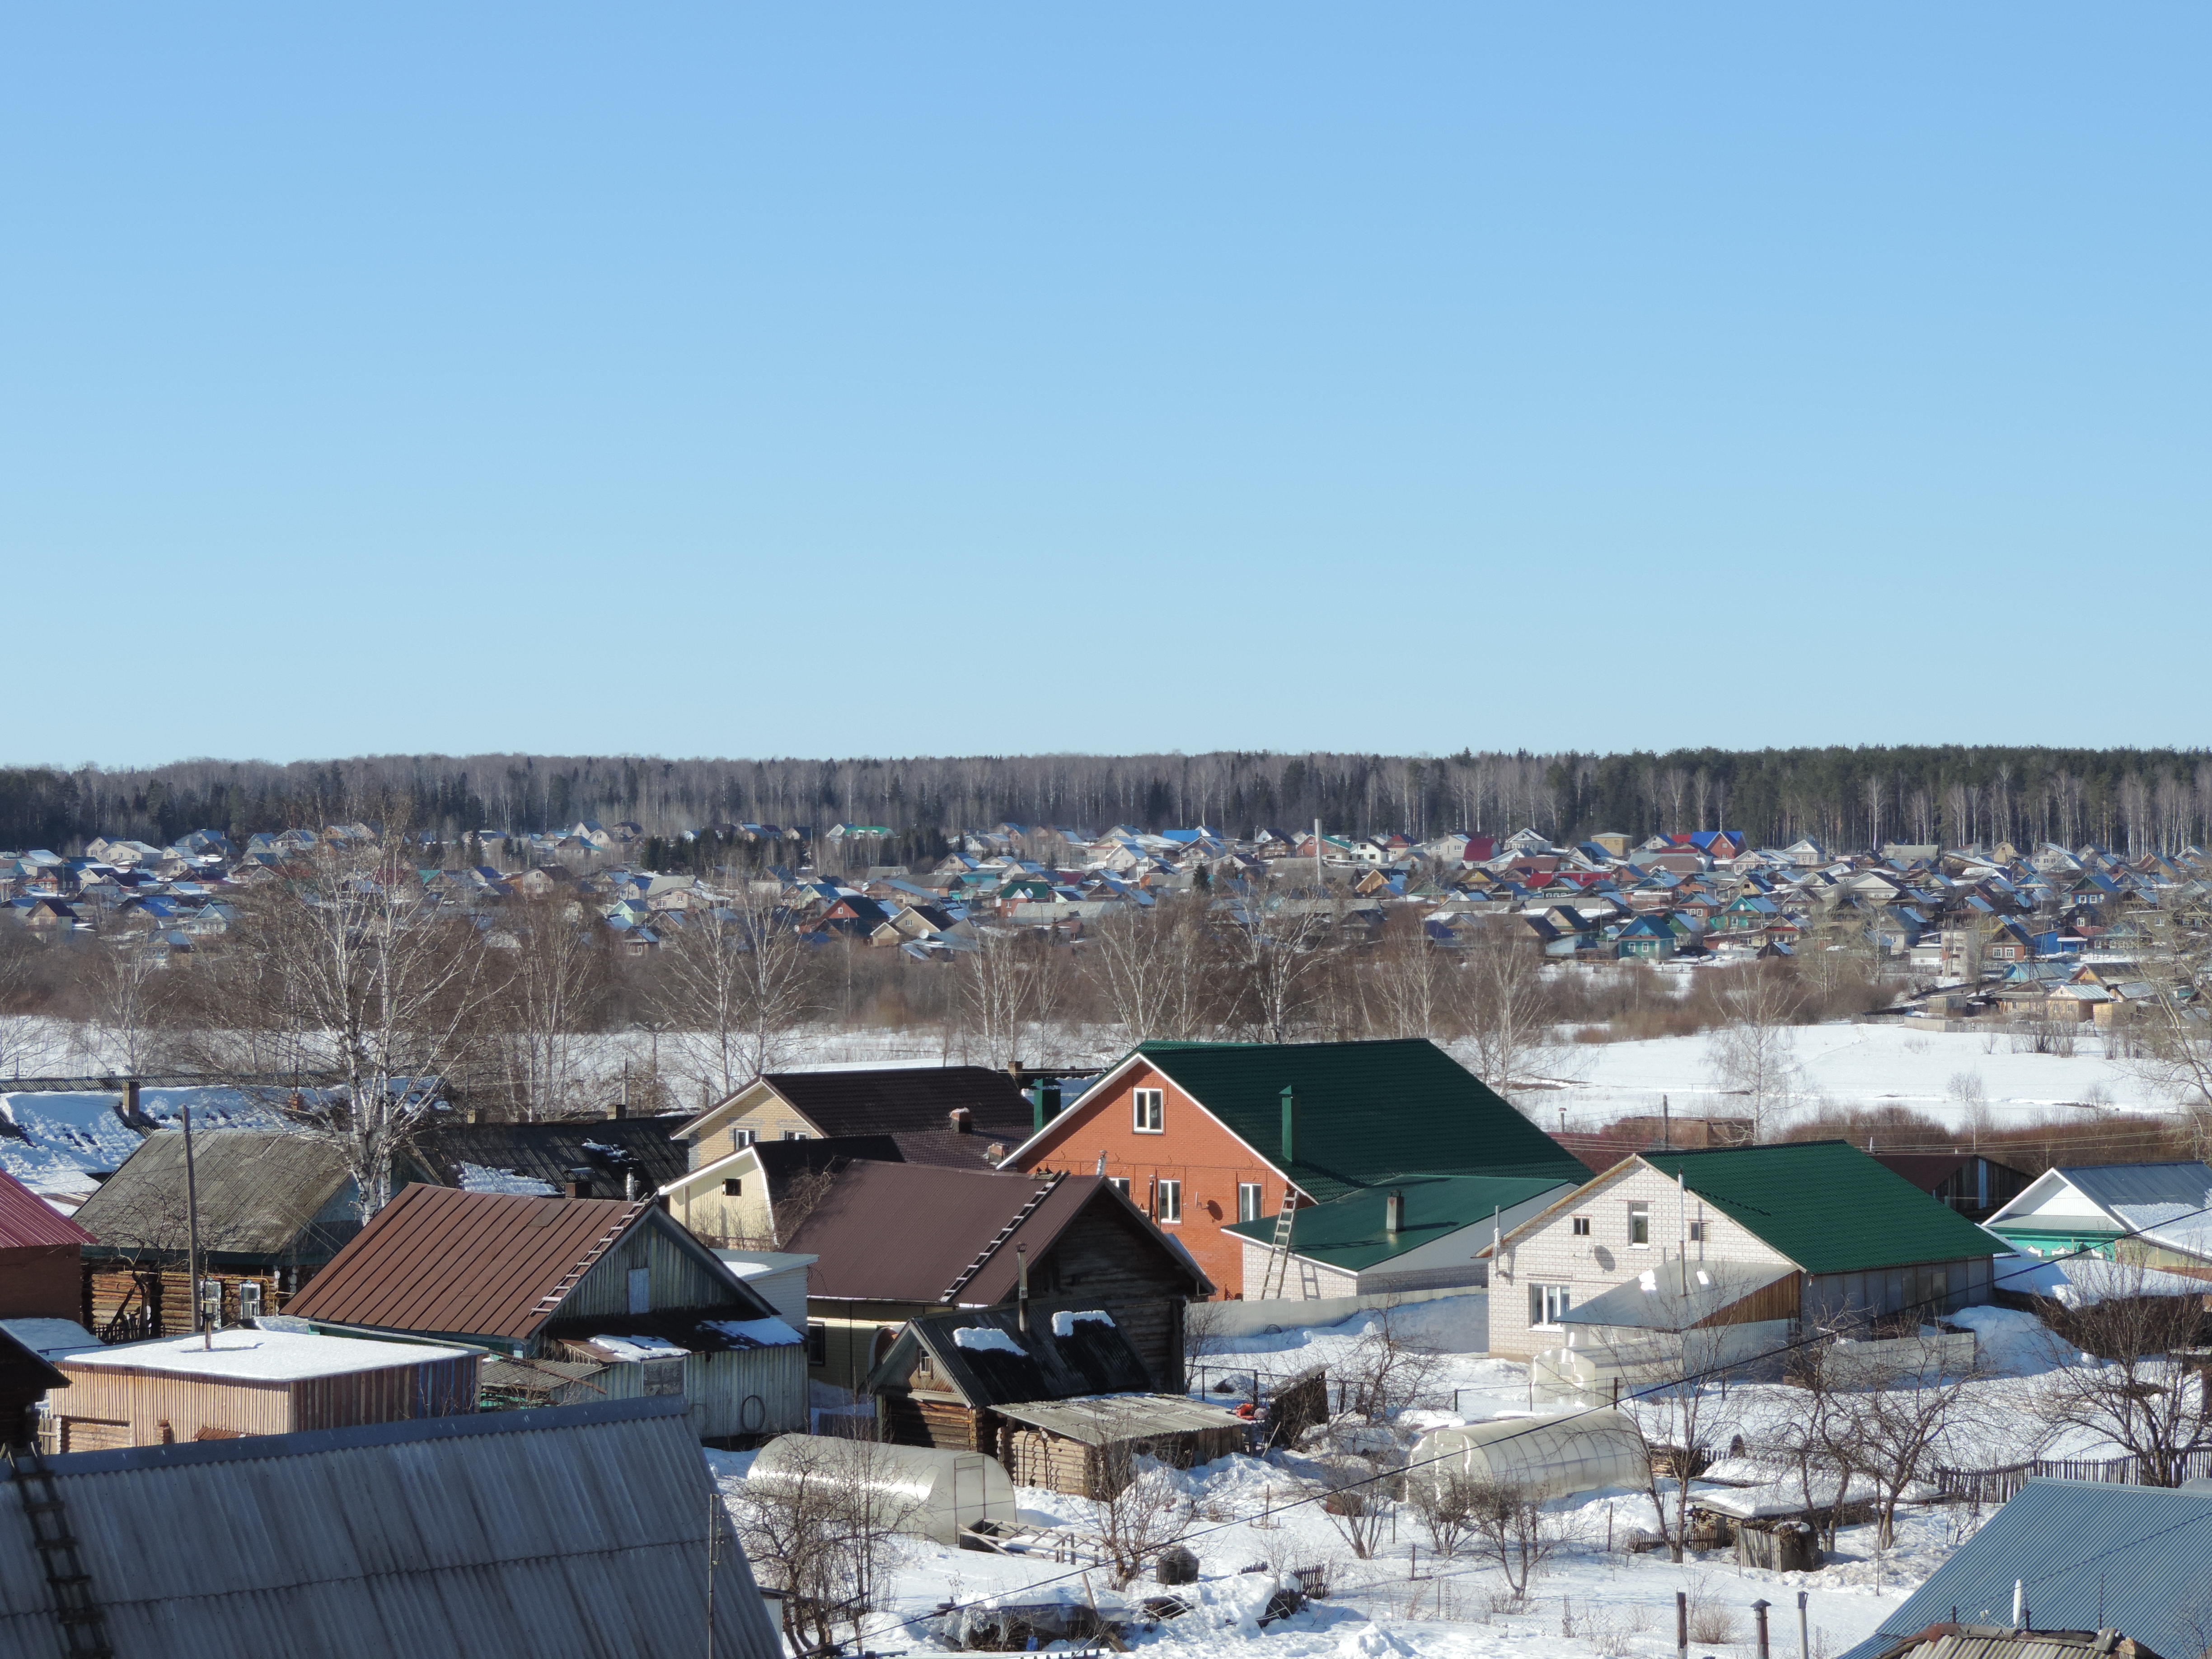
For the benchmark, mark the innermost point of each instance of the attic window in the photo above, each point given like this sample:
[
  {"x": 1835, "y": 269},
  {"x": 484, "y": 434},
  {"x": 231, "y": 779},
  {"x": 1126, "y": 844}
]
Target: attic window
[
  {"x": 1640, "y": 1225},
  {"x": 740, "y": 1139},
  {"x": 733, "y": 1186},
  {"x": 1582, "y": 1226},
  {"x": 1697, "y": 1232},
  {"x": 1151, "y": 1111}
]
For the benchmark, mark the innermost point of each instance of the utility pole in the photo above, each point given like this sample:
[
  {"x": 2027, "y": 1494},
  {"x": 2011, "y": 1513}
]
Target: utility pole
[
  {"x": 192, "y": 1233},
  {"x": 1321, "y": 879}
]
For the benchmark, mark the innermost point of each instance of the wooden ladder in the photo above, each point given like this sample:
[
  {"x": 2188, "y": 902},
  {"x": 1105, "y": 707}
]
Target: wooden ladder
[
  {"x": 1272, "y": 1279},
  {"x": 1005, "y": 1233},
  {"x": 554, "y": 1297},
  {"x": 84, "y": 1631}
]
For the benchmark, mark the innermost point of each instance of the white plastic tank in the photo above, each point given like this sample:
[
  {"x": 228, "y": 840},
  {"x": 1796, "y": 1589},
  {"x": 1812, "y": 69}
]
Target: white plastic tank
[
  {"x": 927, "y": 1491},
  {"x": 1544, "y": 1456}
]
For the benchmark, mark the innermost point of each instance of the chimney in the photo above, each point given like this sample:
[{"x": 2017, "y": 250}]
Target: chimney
[
  {"x": 1394, "y": 1215},
  {"x": 130, "y": 1100},
  {"x": 1014, "y": 1071},
  {"x": 1290, "y": 1127},
  {"x": 1022, "y": 1296},
  {"x": 963, "y": 1120},
  {"x": 578, "y": 1184}
]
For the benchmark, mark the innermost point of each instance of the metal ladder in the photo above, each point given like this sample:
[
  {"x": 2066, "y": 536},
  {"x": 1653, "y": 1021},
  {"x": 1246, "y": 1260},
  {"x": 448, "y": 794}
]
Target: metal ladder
[
  {"x": 84, "y": 1631},
  {"x": 1005, "y": 1233},
  {"x": 554, "y": 1297},
  {"x": 1272, "y": 1280}
]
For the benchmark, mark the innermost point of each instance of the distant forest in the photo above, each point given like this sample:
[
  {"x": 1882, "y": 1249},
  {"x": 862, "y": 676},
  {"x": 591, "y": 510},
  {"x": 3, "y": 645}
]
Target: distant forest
[{"x": 2134, "y": 800}]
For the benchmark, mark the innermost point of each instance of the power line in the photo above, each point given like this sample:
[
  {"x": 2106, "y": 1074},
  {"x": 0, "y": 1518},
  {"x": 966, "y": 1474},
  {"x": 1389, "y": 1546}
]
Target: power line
[{"x": 1698, "y": 1376}]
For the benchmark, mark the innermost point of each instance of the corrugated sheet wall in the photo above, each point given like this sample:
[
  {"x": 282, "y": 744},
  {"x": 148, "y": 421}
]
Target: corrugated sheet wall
[{"x": 679, "y": 1278}]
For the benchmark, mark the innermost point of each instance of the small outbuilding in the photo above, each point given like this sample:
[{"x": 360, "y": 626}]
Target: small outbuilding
[
  {"x": 241, "y": 1381},
  {"x": 1062, "y": 1399}
]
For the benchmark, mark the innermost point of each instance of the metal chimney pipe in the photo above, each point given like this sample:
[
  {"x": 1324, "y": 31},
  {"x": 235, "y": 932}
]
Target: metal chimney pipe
[
  {"x": 1290, "y": 1127},
  {"x": 1394, "y": 1215},
  {"x": 1022, "y": 1294},
  {"x": 1758, "y": 1611}
]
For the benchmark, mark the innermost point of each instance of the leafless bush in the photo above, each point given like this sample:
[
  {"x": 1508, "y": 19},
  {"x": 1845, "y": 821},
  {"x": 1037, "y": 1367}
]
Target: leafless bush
[
  {"x": 1511, "y": 1526},
  {"x": 1445, "y": 1500},
  {"x": 1390, "y": 1370},
  {"x": 1142, "y": 1511},
  {"x": 2135, "y": 1393},
  {"x": 1712, "y": 1620}
]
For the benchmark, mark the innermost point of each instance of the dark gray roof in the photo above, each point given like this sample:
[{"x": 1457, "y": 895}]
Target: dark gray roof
[
  {"x": 577, "y": 1532},
  {"x": 907, "y": 1098},
  {"x": 610, "y": 1147},
  {"x": 259, "y": 1192},
  {"x": 2090, "y": 1554},
  {"x": 1093, "y": 1358}
]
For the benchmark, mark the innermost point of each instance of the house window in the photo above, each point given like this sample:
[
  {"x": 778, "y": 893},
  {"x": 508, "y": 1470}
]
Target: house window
[
  {"x": 794, "y": 1134},
  {"x": 1582, "y": 1226},
  {"x": 1151, "y": 1111},
  {"x": 1547, "y": 1303},
  {"x": 1248, "y": 1200},
  {"x": 1640, "y": 1225},
  {"x": 817, "y": 1343},
  {"x": 1697, "y": 1232},
  {"x": 741, "y": 1139},
  {"x": 1119, "y": 1183},
  {"x": 732, "y": 1186},
  {"x": 1170, "y": 1200}
]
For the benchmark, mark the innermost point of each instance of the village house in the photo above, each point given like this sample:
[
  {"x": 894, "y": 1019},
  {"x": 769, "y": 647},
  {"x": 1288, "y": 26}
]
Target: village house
[
  {"x": 1840, "y": 1236},
  {"x": 950, "y": 1114},
  {"x": 561, "y": 1278},
  {"x": 893, "y": 1241},
  {"x": 2150, "y": 1215},
  {"x": 274, "y": 1207},
  {"x": 1202, "y": 1136},
  {"x": 756, "y": 1197}
]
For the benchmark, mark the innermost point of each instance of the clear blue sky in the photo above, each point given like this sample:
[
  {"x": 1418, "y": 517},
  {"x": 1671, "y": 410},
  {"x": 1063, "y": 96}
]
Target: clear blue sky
[{"x": 944, "y": 378}]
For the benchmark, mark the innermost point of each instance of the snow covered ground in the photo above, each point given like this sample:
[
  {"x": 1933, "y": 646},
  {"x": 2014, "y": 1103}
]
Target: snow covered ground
[
  {"x": 1851, "y": 1066},
  {"x": 1589, "y": 1602}
]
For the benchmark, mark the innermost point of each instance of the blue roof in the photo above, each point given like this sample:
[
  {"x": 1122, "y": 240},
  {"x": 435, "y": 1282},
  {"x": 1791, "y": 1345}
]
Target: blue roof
[{"x": 2090, "y": 1554}]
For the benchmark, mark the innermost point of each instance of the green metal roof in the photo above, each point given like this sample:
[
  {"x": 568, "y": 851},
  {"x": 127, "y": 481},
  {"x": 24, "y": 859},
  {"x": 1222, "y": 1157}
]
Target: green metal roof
[
  {"x": 1348, "y": 1232},
  {"x": 1827, "y": 1206},
  {"x": 1368, "y": 1112}
]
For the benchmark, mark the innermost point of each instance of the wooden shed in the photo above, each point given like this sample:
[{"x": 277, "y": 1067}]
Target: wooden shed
[
  {"x": 246, "y": 1382},
  {"x": 1062, "y": 1403}
]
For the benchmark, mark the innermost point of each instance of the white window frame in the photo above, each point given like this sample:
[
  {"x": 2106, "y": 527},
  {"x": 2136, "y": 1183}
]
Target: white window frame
[
  {"x": 1119, "y": 1183},
  {"x": 1171, "y": 1201},
  {"x": 1251, "y": 1200},
  {"x": 1554, "y": 1300},
  {"x": 1149, "y": 1104},
  {"x": 1639, "y": 1210},
  {"x": 741, "y": 1139},
  {"x": 1579, "y": 1227}
]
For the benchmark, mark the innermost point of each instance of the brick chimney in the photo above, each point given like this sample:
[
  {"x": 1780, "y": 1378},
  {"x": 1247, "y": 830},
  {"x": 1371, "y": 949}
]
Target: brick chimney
[{"x": 963, "y": 1120}]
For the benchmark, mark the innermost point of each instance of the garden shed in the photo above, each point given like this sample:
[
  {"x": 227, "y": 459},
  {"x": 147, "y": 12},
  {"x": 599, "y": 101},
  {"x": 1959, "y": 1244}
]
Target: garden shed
[
  {"x": 243, "y": 1381},
  {"x": 1058, "y": 1395}
]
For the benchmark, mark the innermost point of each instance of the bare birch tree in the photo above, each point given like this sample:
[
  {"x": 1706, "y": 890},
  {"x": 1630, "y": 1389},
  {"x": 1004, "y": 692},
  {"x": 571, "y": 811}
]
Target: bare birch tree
[
  {"x": 553, "y": 995},
  {"x": 734, "y": 982},
  {"x": 1280, "y": 947},
  {"x": 387, "y": 990},
  {"x": 1754, "y": 1055},
  {"x": 1152, "y": 968},
  {"x": 1509, "y": 1018}
]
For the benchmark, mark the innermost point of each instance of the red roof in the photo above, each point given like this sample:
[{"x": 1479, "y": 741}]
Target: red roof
[{"x": 27, "y": 1220}]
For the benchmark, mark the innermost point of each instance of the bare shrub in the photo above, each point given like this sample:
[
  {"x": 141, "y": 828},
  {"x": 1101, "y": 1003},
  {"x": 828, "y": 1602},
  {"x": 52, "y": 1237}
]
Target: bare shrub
[
  {"x": 1142, "y": 1511},
  {"x": 1390, "y": 1370},
  {"x": 2136, "y": 1392},
  {"x": 1511, "y": 1528},
  {"x": 823, "y": 1530}
]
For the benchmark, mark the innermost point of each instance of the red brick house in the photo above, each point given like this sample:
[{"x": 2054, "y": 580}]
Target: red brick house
[{"x": 1206, "y": 1134}]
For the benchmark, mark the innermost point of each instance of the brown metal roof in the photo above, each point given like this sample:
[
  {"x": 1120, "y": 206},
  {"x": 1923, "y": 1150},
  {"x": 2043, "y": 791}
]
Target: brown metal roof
[
  {"x": 907, "y": 1232},
  {"x": 474, "y": 1264},
  {"x": 907, "y": 1098},
  {"x": 904, "y": 1232}
]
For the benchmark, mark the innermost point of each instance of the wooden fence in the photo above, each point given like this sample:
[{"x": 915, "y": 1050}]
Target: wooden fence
[{"x": 2000, "y": 1485}]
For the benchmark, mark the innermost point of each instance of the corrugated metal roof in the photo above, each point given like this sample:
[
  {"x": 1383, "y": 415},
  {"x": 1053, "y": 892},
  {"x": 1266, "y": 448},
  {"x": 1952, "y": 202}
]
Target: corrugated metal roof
[
  {"x": 2151, "y": 1187},
  {"x": 475, "y": 1264},
  {"x": 609, "y": 1147},
  {"x": 1115, "y": 1417},
  {"x": 1366, "y": 1111},
  {"x": 1094, "y": 1357},
  {"x": 1947, "y": 1641},
  {"x": 2091, "y": 1554},
  {"x": 27, "y": 1221},
  {"x": 1826, "y": 1205},
  {"x": 904, "y": 1232},
  {"x": 573, "y": 1532},
  {"x": 1350, "y": 1231},
  {"x": 258, "y": 1191}
]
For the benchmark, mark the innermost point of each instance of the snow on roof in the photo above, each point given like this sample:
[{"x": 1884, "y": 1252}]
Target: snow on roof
[
  {"x": 48, "y": 1337},
  {"x": 638, "y": 1347},
  {"x": 757, "y": 1332},
  {"x": 259, "y": 1356},
  {"x": 982, "y": 1337},
  {"x": 482, "y": 1178}
]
